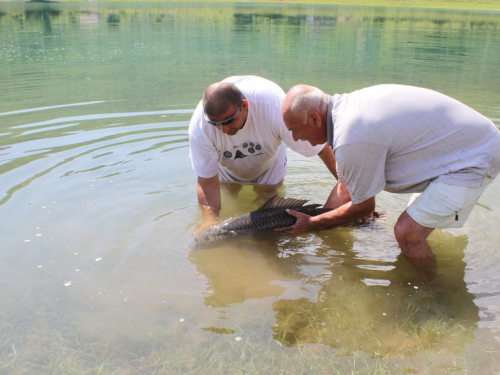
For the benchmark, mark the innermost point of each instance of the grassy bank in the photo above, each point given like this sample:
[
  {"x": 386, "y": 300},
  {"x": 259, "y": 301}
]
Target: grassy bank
[
  {"x": 488, "y": 5},
  {"x": 478, "y": 5}
]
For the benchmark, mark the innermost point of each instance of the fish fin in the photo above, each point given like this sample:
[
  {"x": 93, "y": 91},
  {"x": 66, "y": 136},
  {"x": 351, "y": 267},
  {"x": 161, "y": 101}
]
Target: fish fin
[
  {"x": 314, "y": 206},
  {"x": 277, "y": 202}
]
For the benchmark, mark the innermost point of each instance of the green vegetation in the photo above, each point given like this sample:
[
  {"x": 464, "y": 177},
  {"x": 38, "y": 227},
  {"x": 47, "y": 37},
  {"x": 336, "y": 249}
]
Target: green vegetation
[
  {"x": 44, "y": 346},
  {"x": 480, "y": 5},
  {"x": 309, "y": 338},
  {"x": 451, "y": 4}
]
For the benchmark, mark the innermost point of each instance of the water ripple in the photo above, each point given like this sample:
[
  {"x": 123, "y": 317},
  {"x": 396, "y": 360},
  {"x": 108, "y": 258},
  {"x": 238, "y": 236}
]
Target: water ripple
[
  {"x": 82, "y": 144},
  {"x": 101, "y": 116},
  {"x": 21, "y": 111}
]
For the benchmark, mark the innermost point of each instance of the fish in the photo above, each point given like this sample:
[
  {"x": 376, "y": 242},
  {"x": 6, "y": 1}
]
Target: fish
[
  {"x": 263, "y": 222},
  {"x": 270, "y": 216}
]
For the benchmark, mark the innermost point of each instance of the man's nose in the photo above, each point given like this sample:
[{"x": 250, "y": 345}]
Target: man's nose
[
  {"x": 295, "y": 137},
  {"x": 224, "y": 129}
]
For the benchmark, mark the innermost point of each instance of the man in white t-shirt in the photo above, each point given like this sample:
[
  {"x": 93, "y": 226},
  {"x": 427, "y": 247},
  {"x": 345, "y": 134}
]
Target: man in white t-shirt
[
  {"x": 237, "y": 135},
  {"x": 401, "y": 139}
]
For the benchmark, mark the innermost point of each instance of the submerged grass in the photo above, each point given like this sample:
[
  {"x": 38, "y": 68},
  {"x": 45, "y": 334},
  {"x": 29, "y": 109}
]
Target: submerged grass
[
  {"x": 303, "y": 337},
  {"x": 217, "y": 355}
]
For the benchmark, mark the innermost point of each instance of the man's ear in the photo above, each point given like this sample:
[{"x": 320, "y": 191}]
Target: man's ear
[{"x": 316, "y": 118}]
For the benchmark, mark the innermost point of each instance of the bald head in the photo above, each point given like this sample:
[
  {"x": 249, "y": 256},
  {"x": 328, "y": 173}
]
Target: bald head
[
  {"x": 304, "y": 112},
  {"x": 219, "y": 96},
  {"x": 303, "y": 99}
]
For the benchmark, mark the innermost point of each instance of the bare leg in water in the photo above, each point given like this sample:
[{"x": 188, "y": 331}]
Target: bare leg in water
[
  {"x": 412, "y": 238},
  {"x": 267, "y": 190}
]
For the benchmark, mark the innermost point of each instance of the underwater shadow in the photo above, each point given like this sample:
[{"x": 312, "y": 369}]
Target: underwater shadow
[{"x": 385, "y": 310}]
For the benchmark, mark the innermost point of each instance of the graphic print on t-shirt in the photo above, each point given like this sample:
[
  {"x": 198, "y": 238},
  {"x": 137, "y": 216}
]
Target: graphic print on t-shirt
[{"x": 243, "y": 150}]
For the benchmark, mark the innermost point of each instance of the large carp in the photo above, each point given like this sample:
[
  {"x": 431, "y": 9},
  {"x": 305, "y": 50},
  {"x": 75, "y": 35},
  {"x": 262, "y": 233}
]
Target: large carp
[{"x": 270, "y": 216}]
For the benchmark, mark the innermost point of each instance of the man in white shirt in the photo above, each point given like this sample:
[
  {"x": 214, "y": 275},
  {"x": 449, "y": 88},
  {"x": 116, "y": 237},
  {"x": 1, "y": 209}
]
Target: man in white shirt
[
  {"x": 401, "y": 139},
  {"x": 237, "y": 135}
]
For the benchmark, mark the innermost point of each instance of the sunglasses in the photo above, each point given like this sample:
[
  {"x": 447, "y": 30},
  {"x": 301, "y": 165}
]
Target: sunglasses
[{"x": 224, "y": 122}]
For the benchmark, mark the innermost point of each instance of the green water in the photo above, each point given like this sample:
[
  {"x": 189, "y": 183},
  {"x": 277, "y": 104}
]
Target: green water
[{"x": 98, "y": 205}]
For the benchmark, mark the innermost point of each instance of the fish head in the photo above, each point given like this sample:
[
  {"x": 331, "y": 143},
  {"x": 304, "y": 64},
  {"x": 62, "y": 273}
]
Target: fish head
[{"x": 211, "y": 236}]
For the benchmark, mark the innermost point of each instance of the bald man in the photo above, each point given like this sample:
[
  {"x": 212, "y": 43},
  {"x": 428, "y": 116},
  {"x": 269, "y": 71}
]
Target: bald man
[
  {"x": 237, "y": 136},
  {"x": 401, "y": 139}
]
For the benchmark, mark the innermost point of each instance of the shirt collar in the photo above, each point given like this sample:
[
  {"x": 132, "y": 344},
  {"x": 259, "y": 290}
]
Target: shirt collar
[{"x": 329, "y": 122}]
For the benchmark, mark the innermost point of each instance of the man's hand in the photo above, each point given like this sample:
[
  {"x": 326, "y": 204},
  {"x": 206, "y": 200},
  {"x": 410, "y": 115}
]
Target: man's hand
[
  {"x": 209, "y": 219},
  {"x": 368, "y": 218},
  {"x": 349, "y": 212},
  {"x": 302, "y": 224}
]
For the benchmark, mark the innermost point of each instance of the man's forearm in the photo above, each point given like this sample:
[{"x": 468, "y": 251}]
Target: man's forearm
[
  {"x": 339, "y": 196},
  {"x": 208, "y": 191},
  {"x": 344, "y": 214}
]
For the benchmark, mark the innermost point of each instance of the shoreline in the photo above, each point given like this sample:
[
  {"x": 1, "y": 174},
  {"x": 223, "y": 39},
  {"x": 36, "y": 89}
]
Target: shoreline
[{"x": 479, "y": 5}]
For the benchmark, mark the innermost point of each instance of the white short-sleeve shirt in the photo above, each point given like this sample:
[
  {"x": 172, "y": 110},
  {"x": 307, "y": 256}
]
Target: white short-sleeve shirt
[
  {"x": 252, "y": 151},
  {"x": 398, "y": 138}
]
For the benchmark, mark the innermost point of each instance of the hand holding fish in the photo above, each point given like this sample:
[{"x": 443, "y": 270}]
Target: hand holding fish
[
  {"x": 345, "y": 214},
  {"x": 368, "y": 218},
  {"x": 302, "y": 225}
]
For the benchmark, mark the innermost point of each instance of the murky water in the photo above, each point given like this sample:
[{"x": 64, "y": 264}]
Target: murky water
[{"x": 97, "y": 198}]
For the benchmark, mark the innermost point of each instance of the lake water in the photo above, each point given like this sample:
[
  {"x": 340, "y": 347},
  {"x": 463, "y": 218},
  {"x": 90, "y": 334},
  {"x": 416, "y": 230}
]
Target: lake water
[{"x": 98, "y": 205}]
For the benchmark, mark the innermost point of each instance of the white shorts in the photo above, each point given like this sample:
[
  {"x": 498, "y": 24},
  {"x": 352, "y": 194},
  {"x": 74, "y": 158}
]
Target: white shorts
[
  {"x": 272, "y": 176},
  {"x": 444, "y": 206}
]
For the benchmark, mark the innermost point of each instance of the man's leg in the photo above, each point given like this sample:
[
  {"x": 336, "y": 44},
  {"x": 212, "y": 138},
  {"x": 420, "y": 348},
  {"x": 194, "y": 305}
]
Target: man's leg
[
  {"x": 438, "y": 206},
  {"x": 412, "y": 237},
  {"x": 232, "y": 187},
  {"x": 267, "y": 190}
]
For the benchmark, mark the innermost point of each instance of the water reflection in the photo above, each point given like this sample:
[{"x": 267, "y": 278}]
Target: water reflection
[
  {"x": 237, "y": 274},
  {"x": 406, "y": 315},
  {"x": 43, "y": 16},
  {"x": 359, "y": 47},
  {"x": 253, "y": 268},
  {"x": 346, "y": 302},
  {"x": 89, "y": 20}
]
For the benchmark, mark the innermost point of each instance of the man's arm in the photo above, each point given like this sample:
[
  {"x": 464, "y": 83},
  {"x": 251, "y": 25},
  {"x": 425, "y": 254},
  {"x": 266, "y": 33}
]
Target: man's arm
[
  {"x": 208, "y": 191},
  {"x": 339, "y": 196},
  {"x": 329, "y": 159},
  {"x": 342, "y": 214}
]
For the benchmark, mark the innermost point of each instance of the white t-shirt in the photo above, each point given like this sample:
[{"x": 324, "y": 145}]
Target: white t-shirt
[
  {"x": 255, "y": 149},
  {"x": 398, "y": 138}
]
